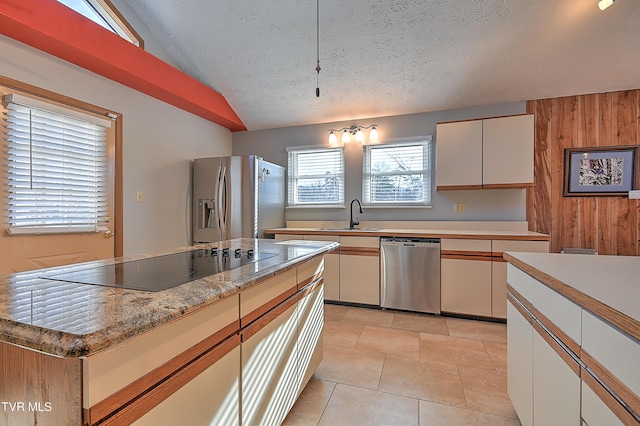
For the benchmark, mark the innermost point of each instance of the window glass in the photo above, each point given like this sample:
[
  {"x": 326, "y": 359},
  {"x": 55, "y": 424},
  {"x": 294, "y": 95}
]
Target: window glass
[
  {"x": 398, "y": 173},
  {"x": 56, "y": 169},
  {"x": 316, "y": 177}
]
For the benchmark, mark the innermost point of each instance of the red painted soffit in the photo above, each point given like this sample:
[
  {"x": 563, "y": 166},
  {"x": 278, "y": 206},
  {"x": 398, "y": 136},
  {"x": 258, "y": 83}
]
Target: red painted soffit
[{"x": 54, "y": 28}]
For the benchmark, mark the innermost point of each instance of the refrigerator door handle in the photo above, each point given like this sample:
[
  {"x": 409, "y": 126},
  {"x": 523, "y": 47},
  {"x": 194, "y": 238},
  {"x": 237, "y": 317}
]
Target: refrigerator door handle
[{"x": 222, "y": 202}]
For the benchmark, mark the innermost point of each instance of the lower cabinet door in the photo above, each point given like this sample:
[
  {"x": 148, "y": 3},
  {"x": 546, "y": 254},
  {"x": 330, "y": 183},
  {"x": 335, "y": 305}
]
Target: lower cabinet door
[
  {"x": 520, "y": 364},
  {"x": 269, "y": 371},
  {"x": 212, "y": 398},
  {"x": 310, "y": 324},
  {"x": 466, "y": 286},
  {"x": 360, "y": 279},
  {"x": 594, "y": 411},
  {"x": 332, "y": 276},
  {"x": 556, "y": 387}
]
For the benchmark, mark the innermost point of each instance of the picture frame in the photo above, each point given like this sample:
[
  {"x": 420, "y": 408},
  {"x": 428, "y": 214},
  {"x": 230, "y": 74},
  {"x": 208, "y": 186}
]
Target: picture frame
[{"x": 603, "y": 171}]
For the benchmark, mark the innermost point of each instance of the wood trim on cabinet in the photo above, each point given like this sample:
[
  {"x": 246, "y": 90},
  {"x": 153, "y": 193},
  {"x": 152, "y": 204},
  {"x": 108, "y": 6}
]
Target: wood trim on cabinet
[
  {"x": 259, "y": 312},
  {"x": 409, "y": 234},
  {"x": 311, "y": 279},
  {"x": 507, "y": 185},
  {"x": 568, "y": 359},
  {"x": 457, "y": 187},
  {"x": 595, "y": 368},
  {"x": 599, "y": 309},
  {"x": 466, "y": 255},
  {"x": 310, "y": 287},
  {"x": 141, "y": 405},
  {"x": 620, "y": 412},
  {"x": 360, "y": 251},
  {"x": 140, "y": 396},
  {"x": 267, "y": 317},
  {"x": 514, "y": 302},
  {"x": 564, "y": 338}
]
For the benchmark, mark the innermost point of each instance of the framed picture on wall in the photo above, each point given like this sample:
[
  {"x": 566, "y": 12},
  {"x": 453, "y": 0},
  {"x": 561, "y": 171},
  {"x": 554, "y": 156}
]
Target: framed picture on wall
[{"x": 600, "y": 171}]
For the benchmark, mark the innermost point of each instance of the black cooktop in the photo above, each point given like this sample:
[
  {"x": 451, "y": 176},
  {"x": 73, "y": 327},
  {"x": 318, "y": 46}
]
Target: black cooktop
[{"x": 164, "y": 272}]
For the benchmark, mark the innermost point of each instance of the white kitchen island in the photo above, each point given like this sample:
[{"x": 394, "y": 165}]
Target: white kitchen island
[{"x": 573, "y": 328}]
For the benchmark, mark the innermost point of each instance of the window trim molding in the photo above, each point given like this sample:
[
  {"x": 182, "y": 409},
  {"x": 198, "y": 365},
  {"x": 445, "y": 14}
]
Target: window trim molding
[
  {"x": 117, "y": 155},
  {"x": 120, "y": 20}
]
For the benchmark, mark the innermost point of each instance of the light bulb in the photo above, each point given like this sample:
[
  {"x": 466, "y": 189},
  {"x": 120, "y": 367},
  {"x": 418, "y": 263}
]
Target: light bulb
[
  {"x": 345, "y": 137},
  {"x": 603, "y": 4},
  {"x": 332, "y": 138},
  {"x": 373, "y": 135},
  {"x": 359, "y": 136}
]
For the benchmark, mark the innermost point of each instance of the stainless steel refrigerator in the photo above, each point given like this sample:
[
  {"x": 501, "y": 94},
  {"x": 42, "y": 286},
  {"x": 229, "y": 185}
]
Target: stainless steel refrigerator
[{"x": 236, "y": 197}]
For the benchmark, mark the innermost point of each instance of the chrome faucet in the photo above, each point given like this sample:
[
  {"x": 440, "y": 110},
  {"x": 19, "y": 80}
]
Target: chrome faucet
[{"x": 353, "y": 222}]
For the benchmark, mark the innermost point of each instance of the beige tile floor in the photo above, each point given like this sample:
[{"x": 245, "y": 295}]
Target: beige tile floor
[{"x": 392, "y": 368}]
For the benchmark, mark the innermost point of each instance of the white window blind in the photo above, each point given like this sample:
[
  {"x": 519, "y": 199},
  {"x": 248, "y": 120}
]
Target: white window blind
[
  {"x": 398, "y": 173},
  {"x": 56, "y": 168},
  {"x": 316, "y": 177}
]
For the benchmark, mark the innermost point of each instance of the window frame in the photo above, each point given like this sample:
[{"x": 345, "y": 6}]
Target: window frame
[
  {"x": 53, "y": 148},
  {"x": 117, "y": 23},
  {"x": 291, "y": 178},
  {"x": 367, "y": 175}
]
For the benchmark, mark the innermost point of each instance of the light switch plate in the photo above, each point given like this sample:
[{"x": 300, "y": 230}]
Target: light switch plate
[
  {"x": 634, "y": 195},
  {"x": 460, "y": 207},
  {"x": 139, "y": 197}
]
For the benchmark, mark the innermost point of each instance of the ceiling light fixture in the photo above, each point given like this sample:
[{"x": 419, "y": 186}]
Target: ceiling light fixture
[
  {"x": 356, "y": 131},
  {"x": 603, "y": 4}
]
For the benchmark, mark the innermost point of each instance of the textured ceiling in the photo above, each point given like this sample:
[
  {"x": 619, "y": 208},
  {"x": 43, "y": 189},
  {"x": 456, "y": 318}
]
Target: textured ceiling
[{"x": 391, "y": 57}]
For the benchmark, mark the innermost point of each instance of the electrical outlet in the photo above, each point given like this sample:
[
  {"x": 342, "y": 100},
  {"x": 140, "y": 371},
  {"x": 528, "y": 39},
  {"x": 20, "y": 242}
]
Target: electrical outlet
[
  {"x": 139, "y": 197},
  {"x": 460, "y": 207}
]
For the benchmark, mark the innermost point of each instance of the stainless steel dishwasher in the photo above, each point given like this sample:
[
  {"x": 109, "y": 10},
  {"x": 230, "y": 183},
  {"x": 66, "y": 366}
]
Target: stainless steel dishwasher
[{"x": 410, "y": 274}]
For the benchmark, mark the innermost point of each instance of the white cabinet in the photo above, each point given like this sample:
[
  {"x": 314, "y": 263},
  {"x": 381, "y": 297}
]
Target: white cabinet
[
  {"x": 594, "y": 410},
  {"x": 556, "y": 386},
  {"x": 520, "y": 364},
  {"x": 499, "y": 270},
  {"x": 210, "y": 398},
  {"x": 507, "y": 151},
  {"x": 360, "y": 270},
  {"x": 331, "y": 267},
  {"x": 269, "y": 371},
  {"x": 459, "y": 154},
  {"x": 466, "y": 286},
  {"x": 489, "y": 153},
  {"x": 466, "y": 276}
]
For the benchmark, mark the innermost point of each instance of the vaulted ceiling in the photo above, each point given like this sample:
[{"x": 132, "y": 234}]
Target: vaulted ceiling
[{"x": 391, "y": 57}]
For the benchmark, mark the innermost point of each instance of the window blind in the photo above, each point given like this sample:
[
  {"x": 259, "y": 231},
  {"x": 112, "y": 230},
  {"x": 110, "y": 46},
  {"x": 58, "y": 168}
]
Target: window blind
[
  {"x": 397, "y": 174},
  {"x": 316, "y": 177},
  {"x": 56, "y": 169}
]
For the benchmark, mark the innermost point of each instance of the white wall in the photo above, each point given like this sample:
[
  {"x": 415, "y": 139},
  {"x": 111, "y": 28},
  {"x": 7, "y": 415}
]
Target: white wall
[
  {"x": 159, "y": 142},
  {"x": 482, "y": 205}
]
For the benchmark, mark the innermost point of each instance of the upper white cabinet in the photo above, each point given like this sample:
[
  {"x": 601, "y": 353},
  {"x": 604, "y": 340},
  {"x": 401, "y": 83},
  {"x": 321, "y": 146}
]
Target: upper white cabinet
[{"x": 489, "y": 153}]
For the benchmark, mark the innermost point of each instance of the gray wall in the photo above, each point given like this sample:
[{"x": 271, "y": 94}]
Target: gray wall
[{"x": 507, "y": 205}]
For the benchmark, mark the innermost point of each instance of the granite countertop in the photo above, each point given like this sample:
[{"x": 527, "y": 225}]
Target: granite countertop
[
  {"x": 478, "y": 234},
  {"x": 607, "y": 286},
  {"x": 74, "y": 320}
]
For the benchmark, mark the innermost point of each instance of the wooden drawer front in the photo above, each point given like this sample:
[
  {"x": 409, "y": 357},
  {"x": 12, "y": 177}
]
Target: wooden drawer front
[
  {"x": 257, "y": 300},
  {"x": 110, "y": 370},
  {"x": 615, "y": 351},
  {"x": 500, "y": 246},
  {"x": 360, "y": 241},
  {"x": 310, "y": 271},
  {"x": 466, "y": 245}
]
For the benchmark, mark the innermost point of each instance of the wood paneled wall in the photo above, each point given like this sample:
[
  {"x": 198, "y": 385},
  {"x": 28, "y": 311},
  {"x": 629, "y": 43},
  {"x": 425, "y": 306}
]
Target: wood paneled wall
[{"x": 611, "y": 225}]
